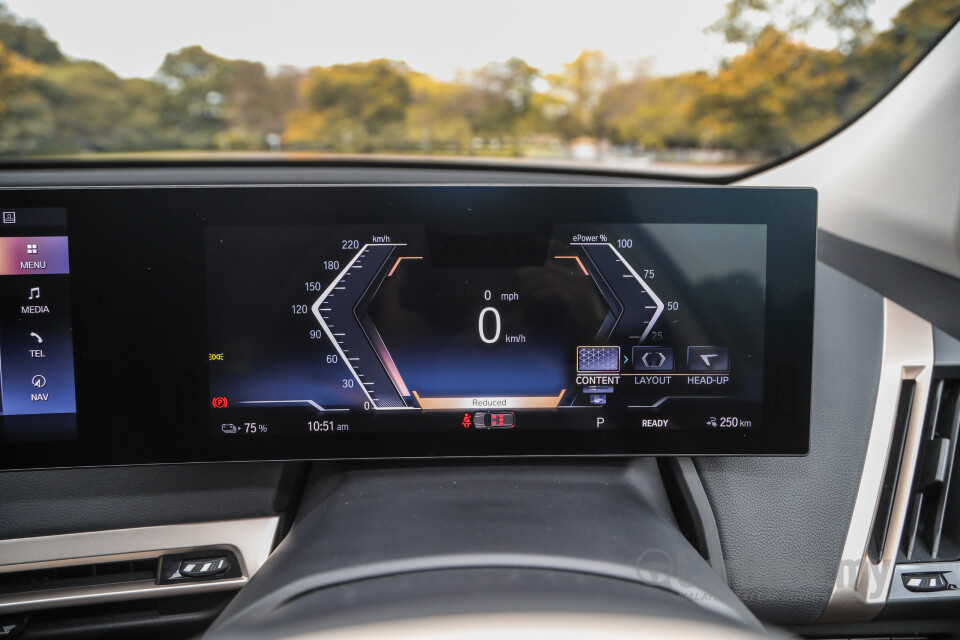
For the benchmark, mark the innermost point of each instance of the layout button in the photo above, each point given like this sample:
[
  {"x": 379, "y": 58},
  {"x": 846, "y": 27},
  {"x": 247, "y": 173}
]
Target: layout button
[{"x": 653, "y": 359}]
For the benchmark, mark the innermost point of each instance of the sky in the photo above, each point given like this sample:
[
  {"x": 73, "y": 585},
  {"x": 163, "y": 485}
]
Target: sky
[{"x": 439, "y": 37}]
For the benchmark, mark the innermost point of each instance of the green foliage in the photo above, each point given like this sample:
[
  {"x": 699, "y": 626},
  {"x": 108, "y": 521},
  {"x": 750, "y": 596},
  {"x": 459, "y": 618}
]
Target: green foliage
[
  {"x": 197, "y": 82},
  {"x": 215, "y": 103},
  {"x": 27, "y": 39},
  {"x": 891, "y": 53},
  {"x": 581, "y": 85},
  {"x": 777, "y": 96},
  {"x": 501, "y": 96},
  {"x": 95, "y": 110},
  {"x": 18, "y": 102},
  {"x": 745, "y": 20},
  {"x": 351, "y": 107},
  {"x": 436, "y": 119},
  {"x": 655, "y": 113}
]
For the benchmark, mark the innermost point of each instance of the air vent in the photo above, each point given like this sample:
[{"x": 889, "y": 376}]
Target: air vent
[
  {"x": 881, "y": 521},
  {"x": 78, "y": 576},
  {"x": 932, "y": 529}
]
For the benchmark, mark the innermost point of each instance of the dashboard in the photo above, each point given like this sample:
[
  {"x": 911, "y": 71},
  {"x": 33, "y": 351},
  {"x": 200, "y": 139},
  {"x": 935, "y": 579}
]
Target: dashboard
[
  {"x": 158, "y": 316},
  {"x": 276, "y": 323},
  {"x": 172, "y": 298}
]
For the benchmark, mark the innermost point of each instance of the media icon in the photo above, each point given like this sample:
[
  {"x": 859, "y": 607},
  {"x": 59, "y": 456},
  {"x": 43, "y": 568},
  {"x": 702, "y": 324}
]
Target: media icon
[{"x": 34, "y": 293}]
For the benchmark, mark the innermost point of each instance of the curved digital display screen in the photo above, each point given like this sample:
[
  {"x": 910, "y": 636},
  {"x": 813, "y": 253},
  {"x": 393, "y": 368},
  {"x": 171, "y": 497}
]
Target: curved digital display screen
[
  {"x": 592, "y": 326},
  {"x": 331, "y": 322}
]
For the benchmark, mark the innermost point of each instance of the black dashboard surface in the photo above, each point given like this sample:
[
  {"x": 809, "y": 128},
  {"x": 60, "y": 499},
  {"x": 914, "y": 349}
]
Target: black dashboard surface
[{"x": 783, "y": 521}]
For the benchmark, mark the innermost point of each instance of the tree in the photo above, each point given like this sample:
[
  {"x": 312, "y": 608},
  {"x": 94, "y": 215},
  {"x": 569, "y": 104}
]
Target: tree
[
  {"x": 95, "y": 110},
  {"x": 581, "y": 85},
  {"x": 260, "y": 101},
  {"x": 197, "y": 81},
  {"x": 19, "y": 102},
  {"x": 746, "y": 20},
  {"x": 504, "y": 94},
  {"x": 49, "y": 103},
  {"x": 655, "y": 113},
  {"x": 16, "y": 75},
  {"x": 352, "y": 107},
  {"x": 915, "y": 28},
  {"x": 225, "y": 104},
  {"x": 778, "y": 96},
  {"x": 27, "y": 39},
  {"x": 375, "y": 93},
  {"x": 890, "y": 54},
  {"x": 437, "y": 118}
]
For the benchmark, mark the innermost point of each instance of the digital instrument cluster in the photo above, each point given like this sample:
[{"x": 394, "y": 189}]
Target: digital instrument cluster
[
  {"x": 589, "y": 327},
  {"x": 176, "y": 324}
]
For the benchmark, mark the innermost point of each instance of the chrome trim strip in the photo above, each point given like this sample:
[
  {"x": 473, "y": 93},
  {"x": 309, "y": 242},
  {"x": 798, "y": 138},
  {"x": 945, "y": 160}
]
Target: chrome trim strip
[
  {"x": 250, "y": 539},
  {"x": 861, "y": 587},
  {"x": 56, "y": 598}
]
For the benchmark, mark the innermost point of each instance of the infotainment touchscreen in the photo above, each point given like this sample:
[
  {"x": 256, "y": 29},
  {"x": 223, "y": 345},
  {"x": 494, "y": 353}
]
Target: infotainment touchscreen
[
  {"x": 37, "y": 395},
  {"x": 336, "y": 322}
]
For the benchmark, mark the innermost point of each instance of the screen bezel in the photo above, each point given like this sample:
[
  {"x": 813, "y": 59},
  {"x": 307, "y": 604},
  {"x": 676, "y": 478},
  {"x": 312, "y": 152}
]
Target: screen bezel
[{"x": 154, "y": 283}]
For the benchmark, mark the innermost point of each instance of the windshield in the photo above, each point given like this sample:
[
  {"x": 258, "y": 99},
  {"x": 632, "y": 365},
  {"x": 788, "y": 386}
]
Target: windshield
[{"x": 697, "y": 87}]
